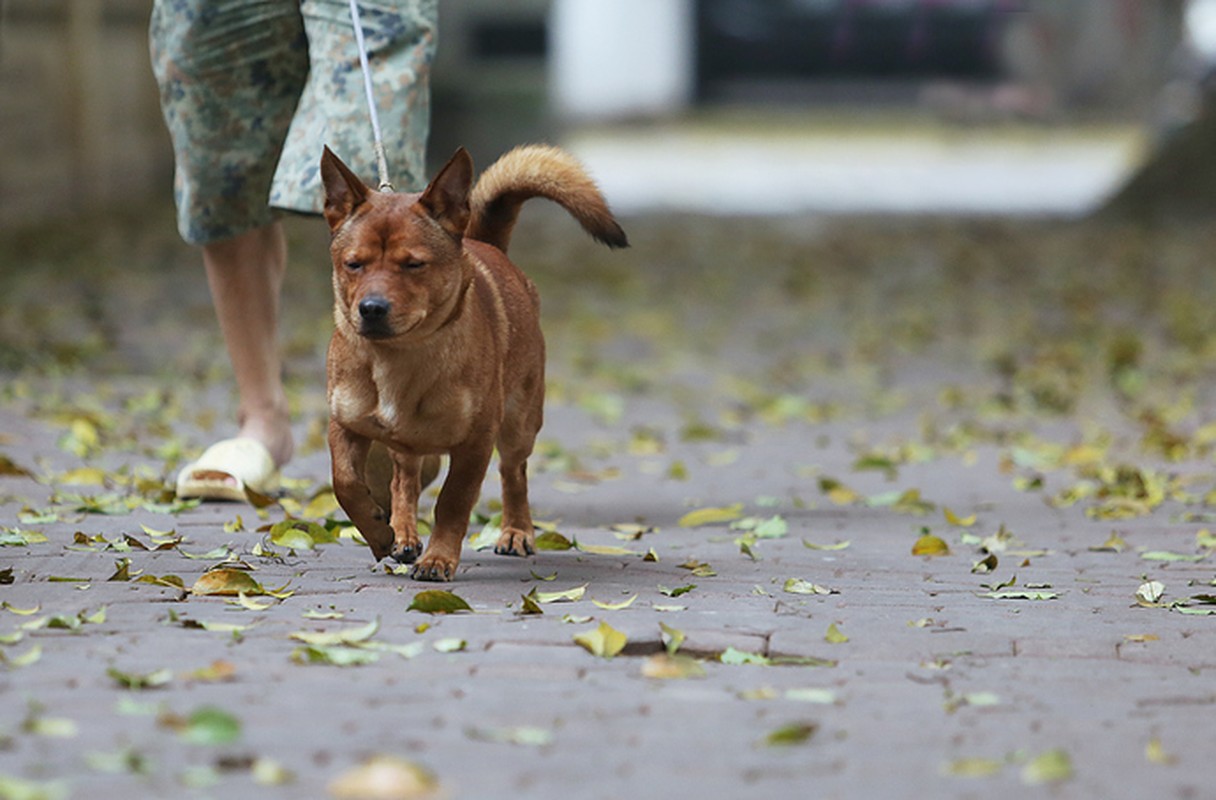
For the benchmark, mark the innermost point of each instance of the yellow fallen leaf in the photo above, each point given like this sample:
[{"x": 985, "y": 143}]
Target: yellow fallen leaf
[
  {"x": 1082, "y": 455},
  {"x": 843, "y": 496},
  {"x": 1149, "y": 592},
  {"x": 226, "y": 582},
  {"x": 1050, "y": 767},
  {"x": 1113, "y": 544},
  {"x": 629, "y": 531},
  {"x": 1141, "y": 637},
  {"x": 812, "y": 694},
  {"x": 268, "y": 772},
  {"x": 604, "y": 549},
  {"x": 52, "y": 727},
  {"x": 244, "y": 601},
  {"x": 214, "y": 672},
  {"x": 793, "y": 734},
  {"x": 668, "y": 666},
  {"x": 800, "y": 586},
  {"x": 930, "y": 545},
  {"x": 813, "y": 546},
  {"x": 986, "y": 564},
  {"x": 83, "y": 476},
  {"x": 438, "y": 601},
  {"x": 561, "y": 596},
  {"x": 24, "y": 660},
  {"x": 82, "y": 438},
  {"x": 955, "y": 519},
  {"x": 1154, "y": 751},
  {"x": 834, "y": 636},
  {"x": 616, "y": 606},
  {"x": 711, "y": 516},
  {"x": 350, "y": 635},
  {"x": 385, "y": 778},
  {"x": 528, "y": 605},
  {"x": 321, "y": 506},
  {"x": 973, "y": 767},
  {"x": 605, "y": 641}
]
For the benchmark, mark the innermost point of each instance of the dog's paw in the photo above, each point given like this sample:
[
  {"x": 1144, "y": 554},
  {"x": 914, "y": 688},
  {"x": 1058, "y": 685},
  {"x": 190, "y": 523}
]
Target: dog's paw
[
  {"x": 515, "y": 542},
  {"x": 380, "y": 540},
  {"x": 406, "y": 553},
  {"x": 434, "y": 568}
]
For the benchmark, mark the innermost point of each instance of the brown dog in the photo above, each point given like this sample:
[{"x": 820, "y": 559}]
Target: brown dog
[{"x": 437, "y": 347}]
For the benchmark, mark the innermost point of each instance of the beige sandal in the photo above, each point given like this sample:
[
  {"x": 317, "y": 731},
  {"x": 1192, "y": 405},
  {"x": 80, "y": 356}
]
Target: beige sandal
[{"x": 226, "y": 469}]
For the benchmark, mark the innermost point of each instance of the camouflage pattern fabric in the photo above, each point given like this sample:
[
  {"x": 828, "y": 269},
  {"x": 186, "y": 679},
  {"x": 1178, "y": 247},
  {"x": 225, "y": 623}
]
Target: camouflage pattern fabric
[{"x": 252, "y": 89}]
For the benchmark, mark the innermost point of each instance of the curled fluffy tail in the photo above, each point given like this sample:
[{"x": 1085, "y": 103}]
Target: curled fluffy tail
[{"x": 538, "y": 171}]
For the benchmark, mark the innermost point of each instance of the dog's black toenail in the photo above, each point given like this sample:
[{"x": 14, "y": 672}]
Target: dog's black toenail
[{"x": 406, "y": 555}]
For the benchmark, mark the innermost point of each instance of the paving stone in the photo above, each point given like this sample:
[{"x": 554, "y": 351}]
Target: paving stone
[{"x": 933, "y": 671}]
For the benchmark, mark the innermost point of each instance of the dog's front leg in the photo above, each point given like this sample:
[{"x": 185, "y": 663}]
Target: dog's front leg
[
  {"x": 407, "y": 485},
  {"x": 348, "y": 454},
  {"x": 456, "y": 500}
]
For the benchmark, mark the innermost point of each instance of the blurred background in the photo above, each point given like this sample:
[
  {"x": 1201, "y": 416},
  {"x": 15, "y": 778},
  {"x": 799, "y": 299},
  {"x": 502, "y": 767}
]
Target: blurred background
[
  {"x": 906, "y": 227},
  {"x": 896, "y": 197},
  {"x": 782, "y": 106}
]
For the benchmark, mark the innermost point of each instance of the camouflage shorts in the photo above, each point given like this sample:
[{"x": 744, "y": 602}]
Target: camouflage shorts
[{"x": 251, "y": 91}]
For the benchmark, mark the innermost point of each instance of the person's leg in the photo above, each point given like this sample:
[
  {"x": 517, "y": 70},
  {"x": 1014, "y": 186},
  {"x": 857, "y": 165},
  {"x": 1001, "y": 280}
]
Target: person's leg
[
  {"x": 230, "y": 74},
  {"x": 245, "y": 274},
  {"x": 400, "y": 39}
]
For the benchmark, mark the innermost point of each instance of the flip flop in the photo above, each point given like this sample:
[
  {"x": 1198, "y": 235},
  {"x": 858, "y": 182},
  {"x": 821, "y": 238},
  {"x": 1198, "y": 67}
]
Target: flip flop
[{"x": 226, "y": 469}]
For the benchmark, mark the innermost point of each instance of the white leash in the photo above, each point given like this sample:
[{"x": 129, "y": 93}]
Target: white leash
[{"x": 381, "y": 160}]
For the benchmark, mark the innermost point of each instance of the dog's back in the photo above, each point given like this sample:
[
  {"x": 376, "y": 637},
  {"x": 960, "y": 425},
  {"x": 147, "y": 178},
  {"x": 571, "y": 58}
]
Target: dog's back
[{"x": 538, "y": 171}]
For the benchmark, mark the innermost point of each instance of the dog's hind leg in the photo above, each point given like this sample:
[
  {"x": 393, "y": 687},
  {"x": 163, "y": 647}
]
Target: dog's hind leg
[
  {"x": 517, "y": 537},
  {"x": 515, "y": 443}
]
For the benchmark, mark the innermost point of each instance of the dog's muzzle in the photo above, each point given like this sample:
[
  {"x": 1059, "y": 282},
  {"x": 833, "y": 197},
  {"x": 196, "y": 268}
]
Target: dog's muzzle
[{"x": 373, "y": 317}]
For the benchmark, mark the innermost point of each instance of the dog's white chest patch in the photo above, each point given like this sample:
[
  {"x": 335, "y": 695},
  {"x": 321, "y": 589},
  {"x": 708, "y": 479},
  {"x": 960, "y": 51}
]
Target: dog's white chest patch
[
  {"x": 386, "y": 413},
  {"x": 345, "y": 404}
]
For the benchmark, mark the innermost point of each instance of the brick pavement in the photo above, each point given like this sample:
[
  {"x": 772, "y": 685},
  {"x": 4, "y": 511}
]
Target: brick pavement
[{"x": 938, "y": 691}]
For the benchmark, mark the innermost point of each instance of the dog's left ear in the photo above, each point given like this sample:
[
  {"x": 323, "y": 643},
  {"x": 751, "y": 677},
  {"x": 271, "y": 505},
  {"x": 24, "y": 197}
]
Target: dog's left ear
[
  {"x": 344, "y": 192},
  {"x": 446, "y": 199}
]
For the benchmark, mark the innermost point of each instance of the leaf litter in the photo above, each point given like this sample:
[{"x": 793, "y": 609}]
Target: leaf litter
[{"x": 1040, "y": 376}]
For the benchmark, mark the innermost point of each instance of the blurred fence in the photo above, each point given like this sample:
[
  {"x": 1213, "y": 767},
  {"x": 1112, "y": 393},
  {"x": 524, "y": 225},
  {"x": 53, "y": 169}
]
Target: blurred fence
[{"x": 80, "y": 126}]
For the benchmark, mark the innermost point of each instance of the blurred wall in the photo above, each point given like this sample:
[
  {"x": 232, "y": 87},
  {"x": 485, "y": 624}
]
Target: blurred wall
[
  {"x": 80, "y": 126},
  {"x": 488, "y": 85},
  {"x": 1097, "y": 54},
  {"x": 621, "y": 58}
]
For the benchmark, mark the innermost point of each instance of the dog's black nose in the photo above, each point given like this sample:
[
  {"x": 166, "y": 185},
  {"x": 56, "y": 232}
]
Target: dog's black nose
[{"x": 374, "y": 308}]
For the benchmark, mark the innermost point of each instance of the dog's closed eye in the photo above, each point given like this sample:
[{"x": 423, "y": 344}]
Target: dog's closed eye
[
  {"x": 354, "y": 266},
  {"x": 413, "y": 263}
]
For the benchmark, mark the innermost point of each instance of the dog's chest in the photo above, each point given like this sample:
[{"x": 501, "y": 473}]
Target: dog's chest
[{"x": 400, "y": 407}]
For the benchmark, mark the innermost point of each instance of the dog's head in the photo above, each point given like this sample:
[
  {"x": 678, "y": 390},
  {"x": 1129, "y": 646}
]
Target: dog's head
[{"x": 399, "y": 269}]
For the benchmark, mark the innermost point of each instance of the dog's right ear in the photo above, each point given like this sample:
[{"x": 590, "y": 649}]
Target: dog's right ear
[
  {"x": 446, "y": 199},
  {"x": 344, "y": 192}
]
